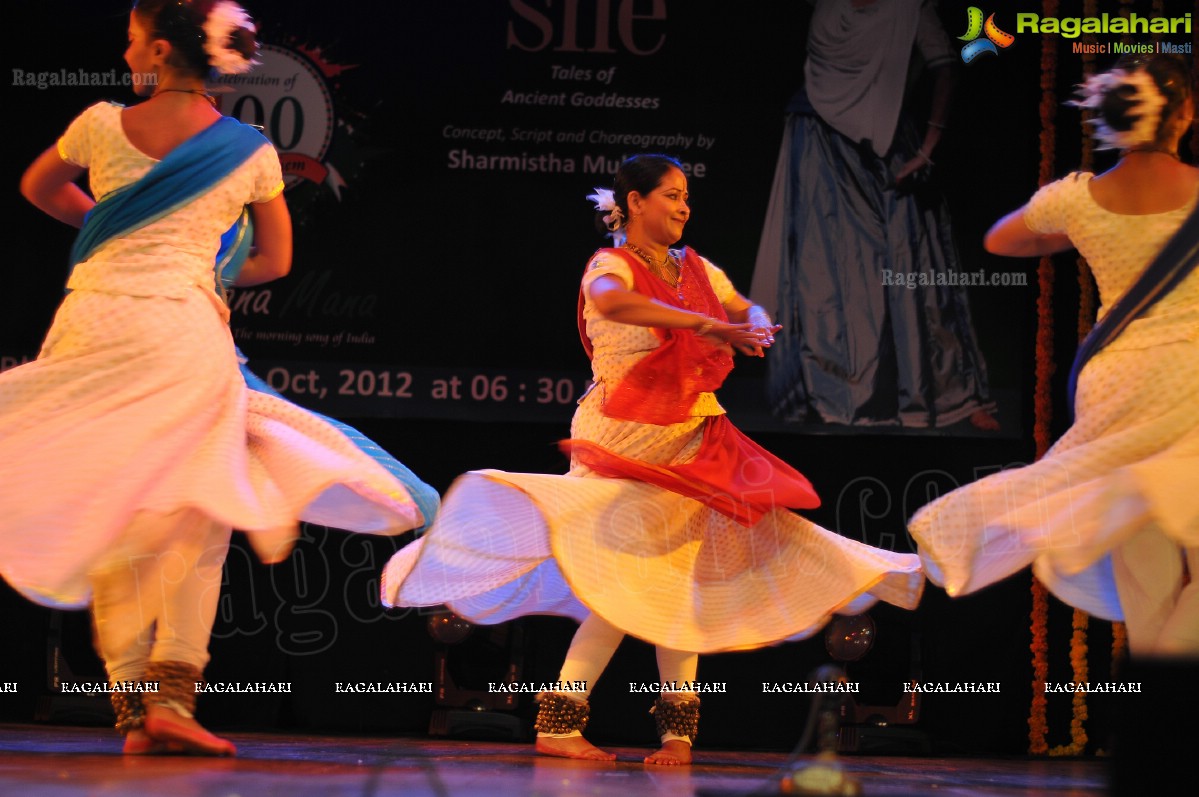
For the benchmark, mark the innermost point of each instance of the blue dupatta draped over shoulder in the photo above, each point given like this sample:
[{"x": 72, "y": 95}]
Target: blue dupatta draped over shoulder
[{"x": 187, "y": 172}]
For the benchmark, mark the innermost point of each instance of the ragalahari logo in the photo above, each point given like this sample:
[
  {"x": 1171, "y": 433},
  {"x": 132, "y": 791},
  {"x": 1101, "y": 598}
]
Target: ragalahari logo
[{"x": 975, "y": 27}]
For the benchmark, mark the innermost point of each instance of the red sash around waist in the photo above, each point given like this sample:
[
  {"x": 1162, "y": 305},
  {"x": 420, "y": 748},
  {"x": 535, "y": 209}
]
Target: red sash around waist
[{"x": 731, "y": 474}]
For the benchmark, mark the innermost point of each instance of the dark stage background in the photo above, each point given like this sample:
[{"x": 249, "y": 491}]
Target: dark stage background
[{"x": 441, "y": 231}]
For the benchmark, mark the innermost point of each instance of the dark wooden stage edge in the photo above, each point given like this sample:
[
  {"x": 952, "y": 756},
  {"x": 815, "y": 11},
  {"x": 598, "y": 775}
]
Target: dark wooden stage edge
[{"x": 40, "y": 761}]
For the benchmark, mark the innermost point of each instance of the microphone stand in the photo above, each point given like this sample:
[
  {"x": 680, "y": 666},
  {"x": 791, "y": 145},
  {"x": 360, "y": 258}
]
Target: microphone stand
[{"x": 823, "y": 774}]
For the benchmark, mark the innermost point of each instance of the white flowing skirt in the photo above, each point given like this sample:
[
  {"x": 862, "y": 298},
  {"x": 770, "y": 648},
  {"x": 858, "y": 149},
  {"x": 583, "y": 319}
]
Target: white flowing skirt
[
  {"x": 136, "y": 405},
  {"x": 1129, "y": 466},
  {"x": 655, "y": 564}
]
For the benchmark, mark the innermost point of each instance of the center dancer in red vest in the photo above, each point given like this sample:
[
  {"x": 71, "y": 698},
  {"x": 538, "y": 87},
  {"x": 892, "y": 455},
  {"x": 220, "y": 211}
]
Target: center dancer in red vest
[{"x": 671, "y": 526}]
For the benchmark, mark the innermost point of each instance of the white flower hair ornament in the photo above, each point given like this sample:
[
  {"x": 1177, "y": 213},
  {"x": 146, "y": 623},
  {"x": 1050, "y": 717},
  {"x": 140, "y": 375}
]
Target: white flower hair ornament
[
  {"x": 223, "y": 21},
  {"x": 1146, "y": 106},
  {"x": 605, "y": 201}
]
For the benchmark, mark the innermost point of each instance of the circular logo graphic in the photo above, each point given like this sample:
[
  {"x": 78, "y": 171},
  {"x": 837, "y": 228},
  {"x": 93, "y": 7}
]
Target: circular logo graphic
[{"x": 286, "y": 97}]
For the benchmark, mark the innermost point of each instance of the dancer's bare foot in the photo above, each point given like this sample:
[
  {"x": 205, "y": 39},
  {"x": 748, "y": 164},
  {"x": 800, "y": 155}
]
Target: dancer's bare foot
[
  {"x": 572, "y": 747},
  {"x": 673, "y": 754},
  {"x": 138, "y": 742},
  {"x": 981, "y": 419},
  {"x": 184, "y": 734}
]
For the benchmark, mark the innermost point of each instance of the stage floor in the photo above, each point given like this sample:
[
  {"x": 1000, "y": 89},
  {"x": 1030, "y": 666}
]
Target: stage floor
[{"x": 41, "y": 761}]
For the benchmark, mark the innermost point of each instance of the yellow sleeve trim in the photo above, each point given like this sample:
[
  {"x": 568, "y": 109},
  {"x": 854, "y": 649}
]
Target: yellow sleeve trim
[
  {"x": 62, "y": 153},
  {"x": 276, "y": 191}
]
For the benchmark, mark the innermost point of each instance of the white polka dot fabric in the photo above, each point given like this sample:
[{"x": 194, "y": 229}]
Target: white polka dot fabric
[
  {"x": 132, "y": 265},
  {"x": 1129, "y": 463},
  {"x": 136, "y": 404}
]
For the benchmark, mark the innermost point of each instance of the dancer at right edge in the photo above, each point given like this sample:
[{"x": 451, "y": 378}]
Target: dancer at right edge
[
  {"x": 1109, "y": 517},
  {"x": 671, "y": 526}
]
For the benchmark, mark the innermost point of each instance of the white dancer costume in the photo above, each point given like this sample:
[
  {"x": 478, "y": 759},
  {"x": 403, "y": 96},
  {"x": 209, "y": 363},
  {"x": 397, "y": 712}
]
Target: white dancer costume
[
  {"x": 650, "y": 562},
  {"x": 133, "y": 433},
  {"x": 1108, "y": 515}
]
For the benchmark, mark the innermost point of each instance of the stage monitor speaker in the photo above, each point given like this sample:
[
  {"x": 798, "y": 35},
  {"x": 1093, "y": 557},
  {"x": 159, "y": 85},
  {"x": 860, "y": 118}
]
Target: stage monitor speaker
[
  {"x": 872, "y": 720},
  {"x": 68, "y": 708},
  {"x": 470, "y": 661}
]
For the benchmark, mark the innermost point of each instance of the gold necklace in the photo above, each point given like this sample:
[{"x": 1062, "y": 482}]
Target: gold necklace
[{"x": 660, "y": 270}]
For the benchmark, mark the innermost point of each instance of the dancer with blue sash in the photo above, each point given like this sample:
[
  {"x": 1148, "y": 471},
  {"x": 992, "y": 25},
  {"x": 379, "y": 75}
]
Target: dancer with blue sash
[
  {"x": 1109, "y": 517},
  {"x": 132, "y": 446}
]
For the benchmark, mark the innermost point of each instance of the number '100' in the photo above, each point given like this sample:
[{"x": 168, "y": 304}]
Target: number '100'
[{"x": 275, "y": 130}]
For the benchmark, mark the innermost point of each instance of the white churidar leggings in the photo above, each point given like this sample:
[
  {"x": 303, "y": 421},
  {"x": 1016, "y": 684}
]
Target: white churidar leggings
[
  {"x": 592, "y": 649},
  {"x": 159, "y": 606}
]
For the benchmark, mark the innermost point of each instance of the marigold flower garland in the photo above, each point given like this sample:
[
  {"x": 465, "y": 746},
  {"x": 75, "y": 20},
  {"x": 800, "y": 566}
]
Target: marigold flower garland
[
  {"x": 1037, "y": 726},
  {"x": 1086, "y": 317},
  {"x": 1043, "y": 394},
  {"x": 1078, "y": 665}
]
